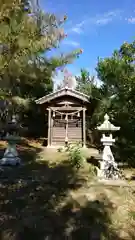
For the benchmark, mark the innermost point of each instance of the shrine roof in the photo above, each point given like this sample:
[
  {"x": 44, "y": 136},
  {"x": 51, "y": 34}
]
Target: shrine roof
[{"x": 63, "y": 92}]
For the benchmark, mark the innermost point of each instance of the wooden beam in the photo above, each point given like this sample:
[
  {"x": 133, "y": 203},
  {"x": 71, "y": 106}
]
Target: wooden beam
[{"x": 67, "y": 108}]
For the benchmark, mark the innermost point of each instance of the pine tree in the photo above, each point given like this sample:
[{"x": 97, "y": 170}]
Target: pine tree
[
  {"x": 24, "y": 38},
  {"x": 26, "y": 35}
]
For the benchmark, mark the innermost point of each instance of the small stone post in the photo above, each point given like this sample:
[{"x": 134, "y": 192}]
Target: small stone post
[{"x": 108, "y": 166}]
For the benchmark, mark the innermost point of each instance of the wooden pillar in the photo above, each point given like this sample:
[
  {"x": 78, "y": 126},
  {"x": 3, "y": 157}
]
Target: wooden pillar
[
  {"x": 66, "y": 136},
  {"x": 49, "y": 127},
  {"x": 84, "y": 127}
]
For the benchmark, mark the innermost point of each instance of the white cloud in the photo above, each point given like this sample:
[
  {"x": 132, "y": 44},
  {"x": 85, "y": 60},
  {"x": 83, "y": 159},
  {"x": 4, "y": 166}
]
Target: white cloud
[
  {"x": 77, "y": 30},
  {"x": 97, "y": 81},
  {"x": 57, "y": 78},
  {"x": 103, "y": 21},
  {"x": 106, "y": 17},
  {"x": 130, "y": 20},
  {"x": 98, "y": 20},
  {"x": 72, "y": 43},
  {"x": 79, "y": 27}
]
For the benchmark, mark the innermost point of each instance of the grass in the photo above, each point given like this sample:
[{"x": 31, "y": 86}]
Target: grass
[{"x": 48, "y": 199}]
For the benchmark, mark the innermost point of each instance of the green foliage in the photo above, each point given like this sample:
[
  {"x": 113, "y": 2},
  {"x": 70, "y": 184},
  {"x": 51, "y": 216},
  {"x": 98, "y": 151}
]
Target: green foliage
[
  {"x": 26, "y": 35},
  {"x": 92, "y": 170},
  {"x": 87, "y": 84},
  {"x": 115, "y": 96},
  {"x": 75, "y": 156},
  {"x": 132, "y": 215},
  {"x": 74, "y": 153},
  {"x": 24, "y": 43},
  {"x": 117, "y": 74}
]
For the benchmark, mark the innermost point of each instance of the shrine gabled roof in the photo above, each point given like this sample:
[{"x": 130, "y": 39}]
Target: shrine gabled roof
[{"x": 63, "y": 92}]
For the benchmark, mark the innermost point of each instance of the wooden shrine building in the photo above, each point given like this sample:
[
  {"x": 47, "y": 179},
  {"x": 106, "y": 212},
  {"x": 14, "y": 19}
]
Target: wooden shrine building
[{"x": 66, "y": 116}]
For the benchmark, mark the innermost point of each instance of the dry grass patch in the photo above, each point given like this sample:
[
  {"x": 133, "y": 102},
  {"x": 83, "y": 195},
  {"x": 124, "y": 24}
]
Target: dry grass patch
[
  {"x": 52, "y": 156},
  {"x": 109, "y": 206}
]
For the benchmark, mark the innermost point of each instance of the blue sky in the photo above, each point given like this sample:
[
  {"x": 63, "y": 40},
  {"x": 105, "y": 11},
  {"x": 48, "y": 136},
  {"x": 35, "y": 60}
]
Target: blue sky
[{"x": 98, "y": 27}]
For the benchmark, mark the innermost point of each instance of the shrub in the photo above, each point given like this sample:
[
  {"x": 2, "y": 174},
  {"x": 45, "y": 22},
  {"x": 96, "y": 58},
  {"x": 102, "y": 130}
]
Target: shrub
[
  {"x": 92, "y": 170},
  {"x": 75, "y": 156}
]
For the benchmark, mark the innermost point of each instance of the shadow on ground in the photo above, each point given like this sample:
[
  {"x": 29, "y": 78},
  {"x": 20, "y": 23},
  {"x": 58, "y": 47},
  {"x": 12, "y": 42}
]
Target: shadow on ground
[{"x": 34, "y": 204}]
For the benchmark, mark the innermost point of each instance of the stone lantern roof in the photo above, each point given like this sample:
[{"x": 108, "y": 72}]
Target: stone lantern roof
[{"x": 107, "y": 126}]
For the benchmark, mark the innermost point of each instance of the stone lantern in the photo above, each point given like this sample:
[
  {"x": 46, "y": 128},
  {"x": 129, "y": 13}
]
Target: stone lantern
[
  {"x": 11, "y": 157},
  {"x": 108, "y": 166}
]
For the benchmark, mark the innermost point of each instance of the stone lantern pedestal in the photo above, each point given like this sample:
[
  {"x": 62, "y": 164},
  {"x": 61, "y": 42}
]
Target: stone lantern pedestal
[
  {"x": 11, "y": 157},
  {"x": 108, "y": 166}
]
